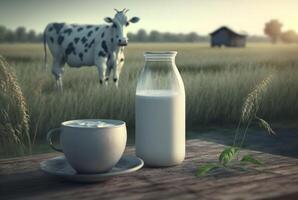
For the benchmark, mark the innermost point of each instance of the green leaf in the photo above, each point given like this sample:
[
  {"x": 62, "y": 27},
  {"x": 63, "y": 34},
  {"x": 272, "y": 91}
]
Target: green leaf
[
  {"x": 204, "y": 169},
  {"x": 250, "y": 159},
  {"x": 227, "y": 155}
]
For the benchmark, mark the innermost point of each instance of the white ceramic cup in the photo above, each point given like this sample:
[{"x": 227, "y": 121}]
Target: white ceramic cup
[{"x": 91, "y": 149}]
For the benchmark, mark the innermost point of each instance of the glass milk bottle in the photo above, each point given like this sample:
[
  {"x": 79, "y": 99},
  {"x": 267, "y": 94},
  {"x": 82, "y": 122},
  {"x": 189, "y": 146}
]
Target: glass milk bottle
[{"x": 160, "y": 111}]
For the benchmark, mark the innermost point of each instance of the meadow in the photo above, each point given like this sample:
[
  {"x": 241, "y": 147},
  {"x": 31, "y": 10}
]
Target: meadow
[{"x": 217, "y": 81}]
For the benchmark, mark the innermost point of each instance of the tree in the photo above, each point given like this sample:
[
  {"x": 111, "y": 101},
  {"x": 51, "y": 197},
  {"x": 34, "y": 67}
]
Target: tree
[
  {"x": 180, "y": 37},
  {"x": 155, "y": 36},
  {"x": 169, "y": 37},
  {"x": 31, "y": 36},
  {"x": 3, "y": 32},
  {"x": 273, "y": 30},
  {"x": 10, "y": 36},
  {"x": 192, "y": 37},
  {"x": 289, "y": 36},
  {"x": 141, "y": 35},
  {"x": 21, "y": 34},
  {"x": 39, "y": 37},
  {"x": 131, "y": 37}
]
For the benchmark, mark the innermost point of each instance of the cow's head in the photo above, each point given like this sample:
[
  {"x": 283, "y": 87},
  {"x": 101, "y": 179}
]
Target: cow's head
[{"x": 120, "y": 23}]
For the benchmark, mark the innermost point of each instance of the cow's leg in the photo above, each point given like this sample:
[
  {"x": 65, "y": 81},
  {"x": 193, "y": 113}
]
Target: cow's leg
[
  {"x": 118, "y": 64},
  {"x": 101, "y": 63},
  {"x": 108, "y": 73},
  {"x": 116, "y": 78},
  {"x": 57, "y": 71},
  {"x": 110, "y": 66},
  {"x": 117, "y": 70}
]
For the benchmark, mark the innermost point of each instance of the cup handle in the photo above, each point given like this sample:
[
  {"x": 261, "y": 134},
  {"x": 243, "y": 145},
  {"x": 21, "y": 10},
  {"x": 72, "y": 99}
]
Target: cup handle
[{"x": 49, "y": 139}]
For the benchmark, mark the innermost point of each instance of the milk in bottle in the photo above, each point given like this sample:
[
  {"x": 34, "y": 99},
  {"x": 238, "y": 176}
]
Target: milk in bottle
[{"x": 160, "y": 111}]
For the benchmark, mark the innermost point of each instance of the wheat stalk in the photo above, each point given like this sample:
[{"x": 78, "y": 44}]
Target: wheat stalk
[
  {"x": 252, "y": 102},
  {"x": 250, "y": 108},
  {"x": 14, "y": 124}
]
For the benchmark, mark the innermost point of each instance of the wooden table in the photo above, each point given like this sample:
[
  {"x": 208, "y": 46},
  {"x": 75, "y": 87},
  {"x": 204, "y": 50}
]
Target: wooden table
[{"x": 20, "y": 178}]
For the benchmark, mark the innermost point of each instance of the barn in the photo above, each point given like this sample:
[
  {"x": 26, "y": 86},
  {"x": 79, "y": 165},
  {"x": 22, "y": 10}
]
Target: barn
[{"x": 225, "y": 36}]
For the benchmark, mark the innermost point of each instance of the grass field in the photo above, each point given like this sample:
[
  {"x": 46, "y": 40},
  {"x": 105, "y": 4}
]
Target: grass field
[{"x": 216, "y": 82}]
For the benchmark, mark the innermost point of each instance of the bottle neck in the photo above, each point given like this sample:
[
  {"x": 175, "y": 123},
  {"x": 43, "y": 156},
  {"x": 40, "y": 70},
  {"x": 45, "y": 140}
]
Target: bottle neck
[
  {"x": 160, "y": 65},
  {"x": 160, "y": 60},
  {"x": 160, "y": 55},
  {"x": 160, "y": 72}
]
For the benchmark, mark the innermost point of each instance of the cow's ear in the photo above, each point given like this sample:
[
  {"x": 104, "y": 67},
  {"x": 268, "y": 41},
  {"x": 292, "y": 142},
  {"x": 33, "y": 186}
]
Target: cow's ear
[
  {"x": 108, "y": 20},
  {"x": 134, "y": 20}
]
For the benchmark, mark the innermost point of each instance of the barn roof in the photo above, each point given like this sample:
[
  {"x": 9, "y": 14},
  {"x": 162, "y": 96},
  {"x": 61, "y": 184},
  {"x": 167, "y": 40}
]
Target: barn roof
[{"x": 227, "y": 29}]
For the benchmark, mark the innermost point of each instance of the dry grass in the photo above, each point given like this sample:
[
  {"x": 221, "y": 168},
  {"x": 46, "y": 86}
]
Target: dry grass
[
  {"x": 249, "y": 112},
  {"x": 252, "y": 102},
  {"x": 14, "y": 119},
  {"x": 217, "y": 81}
]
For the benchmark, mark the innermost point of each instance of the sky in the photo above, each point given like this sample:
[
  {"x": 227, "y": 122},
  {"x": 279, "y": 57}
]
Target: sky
[{"x": 201, "y": 16}]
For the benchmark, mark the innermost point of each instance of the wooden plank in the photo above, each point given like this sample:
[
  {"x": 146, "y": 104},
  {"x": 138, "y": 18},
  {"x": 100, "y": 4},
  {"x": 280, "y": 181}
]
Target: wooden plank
[{"x": 21, "y": 178}]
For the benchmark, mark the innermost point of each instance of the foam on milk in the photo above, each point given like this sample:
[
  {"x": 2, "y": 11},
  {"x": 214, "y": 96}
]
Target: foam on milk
[{"x": 89, "y": 124}]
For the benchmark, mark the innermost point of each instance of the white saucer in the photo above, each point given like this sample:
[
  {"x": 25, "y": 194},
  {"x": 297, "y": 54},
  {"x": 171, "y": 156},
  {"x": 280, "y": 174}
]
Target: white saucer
[{"x": 59, "y": 167}]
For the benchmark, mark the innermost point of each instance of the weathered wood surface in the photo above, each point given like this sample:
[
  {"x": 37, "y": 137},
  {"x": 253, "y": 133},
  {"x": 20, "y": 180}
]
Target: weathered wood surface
[{"x": 20, "y": 178}]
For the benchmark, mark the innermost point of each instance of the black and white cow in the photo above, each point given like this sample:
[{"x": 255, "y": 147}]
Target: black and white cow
[{"x": 89, "y": 45}]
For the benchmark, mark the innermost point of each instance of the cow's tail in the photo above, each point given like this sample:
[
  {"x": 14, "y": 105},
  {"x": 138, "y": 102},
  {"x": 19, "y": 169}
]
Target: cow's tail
[{"x": 45, "y": 49}]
